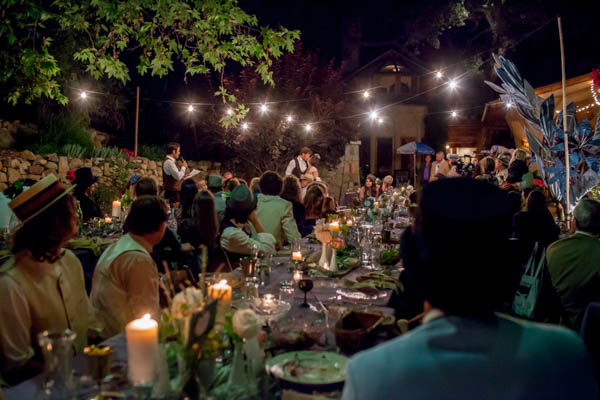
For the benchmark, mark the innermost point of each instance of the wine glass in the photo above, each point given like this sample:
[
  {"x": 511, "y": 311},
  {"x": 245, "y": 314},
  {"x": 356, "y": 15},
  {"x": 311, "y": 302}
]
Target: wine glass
[{"x": 306, "y": 286}]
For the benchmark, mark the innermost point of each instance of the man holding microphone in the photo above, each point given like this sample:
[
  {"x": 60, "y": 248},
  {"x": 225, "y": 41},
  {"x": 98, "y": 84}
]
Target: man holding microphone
[{"x": 173, "y": 176}]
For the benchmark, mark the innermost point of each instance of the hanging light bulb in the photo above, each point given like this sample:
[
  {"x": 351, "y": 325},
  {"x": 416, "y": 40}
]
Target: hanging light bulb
[
  {"x": 373, "y": 115},
  {"x": 190, "y": 108},
  {"x": 380, "y": 121},
  {"x": 509, "y": 105},
  {"x": 308, "y": 127},
  {"x": 454, "y": 114},
  {"x": 83, "y": 95},
  {"x": 452, "y": 84},
  {"x": 366, "y": 94},
  {"x": 438, "y": 74},
  {"x": 245, "y": 126},
  {"x": 263, "y": 108},
  {"x": 229, "y": 112},
  {"x": 289, "y": 118}
]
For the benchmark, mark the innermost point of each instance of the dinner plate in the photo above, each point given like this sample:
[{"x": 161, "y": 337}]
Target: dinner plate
[{"x": 309, "y": 367}]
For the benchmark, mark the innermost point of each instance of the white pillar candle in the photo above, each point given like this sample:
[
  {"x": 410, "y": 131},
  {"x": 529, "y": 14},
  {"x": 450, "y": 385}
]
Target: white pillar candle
[
  {"x": 116, "y": 209},
  {"x": 142, "y": 349}
]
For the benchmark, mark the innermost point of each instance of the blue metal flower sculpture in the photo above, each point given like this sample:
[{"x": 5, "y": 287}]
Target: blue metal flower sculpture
[{"x": 549, "y": 151}]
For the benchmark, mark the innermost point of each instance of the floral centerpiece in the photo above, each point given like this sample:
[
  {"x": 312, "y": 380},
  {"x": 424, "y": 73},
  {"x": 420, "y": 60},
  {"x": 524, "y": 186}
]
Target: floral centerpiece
[{"x": 328, "y": 232}]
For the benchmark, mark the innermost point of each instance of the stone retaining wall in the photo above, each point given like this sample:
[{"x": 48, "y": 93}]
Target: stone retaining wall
[{"x": 16, "y": 165}]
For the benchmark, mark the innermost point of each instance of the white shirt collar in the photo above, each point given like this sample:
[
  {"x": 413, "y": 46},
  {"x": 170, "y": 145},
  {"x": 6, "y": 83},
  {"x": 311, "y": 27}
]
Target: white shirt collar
[{"x": 170, "y": 158}]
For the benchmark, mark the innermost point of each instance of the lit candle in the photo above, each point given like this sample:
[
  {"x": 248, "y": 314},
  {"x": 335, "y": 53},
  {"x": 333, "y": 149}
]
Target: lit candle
[
  {"x": 296, "y": 256},
  {"x": 350, "y": 222},
  {"x": 220, "y": 291},
  {"x": 116, "y": 209},
  {"x": 376, "y": 204},
  {"x": 297, "y": 275},
  {"x": 334, "y": 226},
  {"x": 108, "y": 220},
  {"x": 142, "y": 349}
]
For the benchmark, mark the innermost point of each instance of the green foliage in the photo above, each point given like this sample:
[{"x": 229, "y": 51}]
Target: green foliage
[
  {"x": 73, "y": 150},
  {"x": 594, "y": 194},
  {"x": 105, "y": 193},
  {"x": 58, "y": 134},
  {"x": 107, "y": 152},
  {"x": 203, "y": 35},
  {"x": 156, "y": 153}
]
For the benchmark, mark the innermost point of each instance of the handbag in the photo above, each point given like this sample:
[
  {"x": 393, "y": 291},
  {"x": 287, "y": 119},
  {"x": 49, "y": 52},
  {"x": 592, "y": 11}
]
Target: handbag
[{"x": 529, "y": 288}]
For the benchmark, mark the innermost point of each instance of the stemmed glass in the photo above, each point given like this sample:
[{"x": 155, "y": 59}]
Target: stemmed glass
[
  {"x": 306, "y": 286},
  {"x": 99, "y": 360}
]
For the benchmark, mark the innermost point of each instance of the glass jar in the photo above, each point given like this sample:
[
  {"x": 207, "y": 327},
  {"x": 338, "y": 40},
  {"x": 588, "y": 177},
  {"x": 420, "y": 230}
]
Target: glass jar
[{"x": 57, "y": 349}]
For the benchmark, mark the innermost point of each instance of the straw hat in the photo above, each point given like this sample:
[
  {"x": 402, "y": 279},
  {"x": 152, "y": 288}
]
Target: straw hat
[{"x": 38, "y": 197}]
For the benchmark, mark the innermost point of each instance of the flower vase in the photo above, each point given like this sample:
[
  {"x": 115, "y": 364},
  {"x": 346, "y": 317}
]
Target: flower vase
[
  {"x": 333, "y": 261},
  {"x": 324, "y": 254}
]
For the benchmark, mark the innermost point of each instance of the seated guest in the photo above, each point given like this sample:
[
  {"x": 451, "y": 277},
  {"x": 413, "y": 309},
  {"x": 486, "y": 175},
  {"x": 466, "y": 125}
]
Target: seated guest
[
  {"x": 275, "y": 214},
  {"x": 463, "y": 349},
  {"x": 202, "y": 228},
  {"x": 313, "y": 206},
  {"x": 387, "y": 184},
  {"x": 487, "y": 165},
  {"x": 329, "y": 206},
  {"x": 125, "y": 282},
  {"x": 188, "y": 192},
  {"x": 215, "y": 184},
  {"x": 574, "y": 263},
  {"x": 255, "y": 185},
  {"x": 369, "y": 189},
  {"x": 293, "y": 193},
  {"x": 241, "y": 231},
  {"x": 305, "y": 180},
  {"x": 42, "y": 284},
  {"x": 169, "y": 248},
  {"x": 84, "y": 185}
]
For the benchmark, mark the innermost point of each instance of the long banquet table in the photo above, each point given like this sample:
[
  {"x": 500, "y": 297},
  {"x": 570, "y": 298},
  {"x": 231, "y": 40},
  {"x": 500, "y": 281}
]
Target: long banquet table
[{"x": 326, "y": 290}]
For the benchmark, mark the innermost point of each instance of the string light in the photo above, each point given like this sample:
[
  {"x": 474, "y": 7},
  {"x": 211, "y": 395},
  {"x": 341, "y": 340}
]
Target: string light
[
  {"x": 452, "y": 84},
  {"x": 245, "y": 126},
  {"x": 308, "y": 127},
  {"x": 229, "y": 111},
  {"x": 380, "y": 121},
  {"x": 264, "y": 108},
  {"x": 438, "y": 74},
  {"x": 454, "y": 114},
  {"x": 594, "y": 94},
  {"x": 83, "y": 95},
  {"x": 366, "y": 94},
  {"x": 509, "y": 105},
  {"x": 289, "y": 118},
  {"x": 373, "y": 115},
  {"x": 190, "y": 108}
]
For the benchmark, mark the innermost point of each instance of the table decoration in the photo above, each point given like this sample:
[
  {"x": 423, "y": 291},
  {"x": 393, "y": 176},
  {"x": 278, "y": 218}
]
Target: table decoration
[
  {"x": 390, "y": 256},
  {"x": 221, "y": 292},
  {"x": 99, "y": 360},
  {"x": 309, "y": 367},
  {"x": 142, "y": 349},
  {"x": 324, "y": 235},
  {"x": 116, "y": 209},
  {"x": 372, "y": 282}
]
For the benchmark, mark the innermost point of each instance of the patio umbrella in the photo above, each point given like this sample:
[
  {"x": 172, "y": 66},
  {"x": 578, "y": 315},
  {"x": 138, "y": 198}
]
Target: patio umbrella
[{"x": 415, "y": 148}]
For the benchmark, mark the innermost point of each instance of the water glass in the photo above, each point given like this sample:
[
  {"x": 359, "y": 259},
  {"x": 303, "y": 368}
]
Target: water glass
[
  {"x": 251, "y": 285},
  {"x": 286, "y": 292}
]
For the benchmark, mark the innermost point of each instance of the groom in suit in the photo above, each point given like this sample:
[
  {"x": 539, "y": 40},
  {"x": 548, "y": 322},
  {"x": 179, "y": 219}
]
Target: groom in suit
[{"x": 464, "y": 349}]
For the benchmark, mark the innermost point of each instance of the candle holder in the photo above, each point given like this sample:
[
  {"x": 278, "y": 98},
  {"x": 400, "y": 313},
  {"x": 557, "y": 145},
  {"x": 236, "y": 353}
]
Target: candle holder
[{"x": 99, "y": 361}]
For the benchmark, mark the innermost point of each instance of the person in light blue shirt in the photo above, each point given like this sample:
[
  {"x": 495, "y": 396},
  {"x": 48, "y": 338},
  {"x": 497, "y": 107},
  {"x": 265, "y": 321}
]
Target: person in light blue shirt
[{"x": 464, "y": 349}]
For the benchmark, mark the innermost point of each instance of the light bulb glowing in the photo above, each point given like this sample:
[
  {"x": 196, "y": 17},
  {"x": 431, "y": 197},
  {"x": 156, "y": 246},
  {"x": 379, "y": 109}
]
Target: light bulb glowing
[
  {"x": 454, "y": 114},
  {"x": 308, "y": 127},
  {"x": 263, "y": 108},
  {"x": 366, "y": 94},
  {"x": 373, "y": 115},
  {"x": 447, "y": 146},
  {"x": 229, "y": 111},
  {"x": 190, "y": 108},
  {"x": 245, "y": 126},
  {"x": 509, "y": 105},
  {"x": 438, "y": 74},
  {"x": 289, "y": 118},
  {"x": 83, "y": 95},
  {"x": 380, "y": 121},
  {"x": 452, "y": 84}
]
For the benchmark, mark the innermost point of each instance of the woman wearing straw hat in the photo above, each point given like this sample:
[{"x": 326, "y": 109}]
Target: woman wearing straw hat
[{"x": 42, "y": 284}]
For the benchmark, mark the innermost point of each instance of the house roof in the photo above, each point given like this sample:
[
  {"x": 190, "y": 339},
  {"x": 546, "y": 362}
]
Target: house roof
[{"x": 392, "y": 56}]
